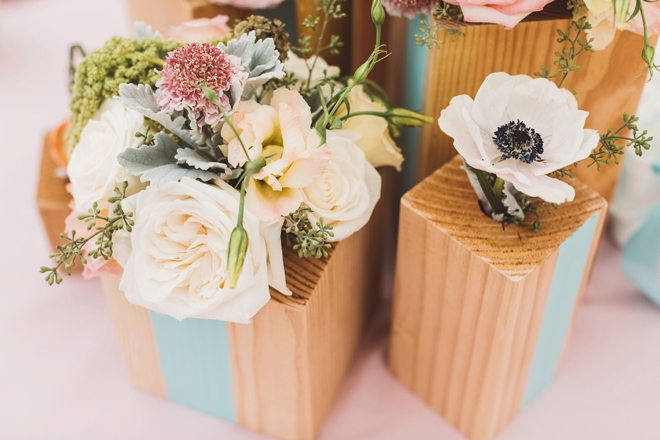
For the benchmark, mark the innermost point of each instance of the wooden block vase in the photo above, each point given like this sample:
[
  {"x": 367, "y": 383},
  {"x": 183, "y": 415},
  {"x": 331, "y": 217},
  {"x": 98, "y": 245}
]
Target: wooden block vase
[
  {"x": 608, "y": 81},
  {"x": 278, "y": 375},
  {"x": 481, "y": 314},
  {"x": 53, "y": 199}
]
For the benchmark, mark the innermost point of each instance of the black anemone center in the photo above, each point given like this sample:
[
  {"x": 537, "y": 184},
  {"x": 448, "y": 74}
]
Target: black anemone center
[{"x": 516, "y": 140}]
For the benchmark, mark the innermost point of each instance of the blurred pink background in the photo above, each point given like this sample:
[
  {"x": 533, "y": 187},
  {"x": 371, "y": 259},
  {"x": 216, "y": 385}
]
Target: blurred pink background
[{"x": 61, "y": 372}]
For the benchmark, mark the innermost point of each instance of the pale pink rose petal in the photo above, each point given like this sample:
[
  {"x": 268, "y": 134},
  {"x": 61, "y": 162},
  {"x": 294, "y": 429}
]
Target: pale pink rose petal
[
  {"x": 521, "y": 6},
  {"x": 200, "y": 30},
  {"x": 248, "y": 4},
  {"x": 487, "y": 14}
]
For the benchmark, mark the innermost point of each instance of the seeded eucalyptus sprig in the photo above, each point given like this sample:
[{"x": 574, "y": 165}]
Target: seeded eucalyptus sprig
[
  {"x": 72, "y": 250},
  {"x": 566, "y": 58},
  {"x": 445, "y": 17},
  {"x": 329, "y": 10},
  {"x": 310, "y": 241},
  {"x": 610, "y": 150}
]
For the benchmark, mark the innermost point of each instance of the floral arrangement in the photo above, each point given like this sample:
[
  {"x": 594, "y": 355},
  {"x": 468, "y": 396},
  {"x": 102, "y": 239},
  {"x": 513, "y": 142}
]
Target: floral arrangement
[
  {"x": 597, "y": 19},
  {"x": 519, "y": 136},
  {"x": 195, "y": 156}
]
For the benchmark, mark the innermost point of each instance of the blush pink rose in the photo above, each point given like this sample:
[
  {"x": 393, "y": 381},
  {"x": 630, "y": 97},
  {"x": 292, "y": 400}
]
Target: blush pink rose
[
  {"x": 200, "y": 30},
  {"x": 505, "y": 12},
  {"x": 604, "y": 28},
  {"x": 248, "y": 4}
]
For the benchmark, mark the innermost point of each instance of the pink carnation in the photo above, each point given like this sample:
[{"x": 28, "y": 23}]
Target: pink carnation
[
  {"x": 248, "y": 4},
  {"x": 408, "y": 8},
  {"x": 505, "y": 12},
  {"x": 199, "y": 30},
  {"x": 187, "y": 69}
]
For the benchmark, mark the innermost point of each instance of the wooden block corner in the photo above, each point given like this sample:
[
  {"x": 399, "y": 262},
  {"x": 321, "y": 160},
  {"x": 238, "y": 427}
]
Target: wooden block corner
[{"x": 448, "y": 201}]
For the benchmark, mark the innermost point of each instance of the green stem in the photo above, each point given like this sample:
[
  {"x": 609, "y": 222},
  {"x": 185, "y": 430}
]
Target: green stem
[
  {"x": 494, "y": 202},
  {"x": 498, "y": 187}
]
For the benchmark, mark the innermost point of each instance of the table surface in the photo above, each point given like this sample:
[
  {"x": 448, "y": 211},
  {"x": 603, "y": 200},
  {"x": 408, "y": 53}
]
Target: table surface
[{"x": 61, "y": 372}]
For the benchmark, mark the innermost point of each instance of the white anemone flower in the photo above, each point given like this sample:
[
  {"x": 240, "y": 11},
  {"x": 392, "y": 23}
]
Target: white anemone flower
[{"x": 521, "y": 129}]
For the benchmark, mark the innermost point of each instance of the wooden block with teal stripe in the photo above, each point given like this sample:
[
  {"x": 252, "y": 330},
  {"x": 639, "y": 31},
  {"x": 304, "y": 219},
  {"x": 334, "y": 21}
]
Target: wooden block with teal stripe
[
  {"x": 278, "y": 375},
  {"x": 481, "y": 314}
]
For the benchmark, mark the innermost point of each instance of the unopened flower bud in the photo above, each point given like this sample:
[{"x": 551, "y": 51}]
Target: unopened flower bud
[
  {"x": 377, "y": 13},
  {"x": 254, "y": 166},
  {"x": 408, "y": 118},
  {"x": 238, "y": 243},
  {"x": 648, "y": 55},
  {"x": 362, "y": 72}
]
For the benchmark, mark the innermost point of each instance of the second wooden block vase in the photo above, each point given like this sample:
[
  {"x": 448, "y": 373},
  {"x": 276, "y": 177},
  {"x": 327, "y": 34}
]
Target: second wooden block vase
[
  {"x": 608, "y": 82},
  {"x": 482, "y": 314}
]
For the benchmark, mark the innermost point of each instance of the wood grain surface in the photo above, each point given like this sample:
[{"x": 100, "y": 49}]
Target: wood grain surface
[
  {"x": 608, "y": 82},
  {"x": 289, "y": 363},
  {"x": 470, "y": 298},
  {"x": 136, "y": 339}
]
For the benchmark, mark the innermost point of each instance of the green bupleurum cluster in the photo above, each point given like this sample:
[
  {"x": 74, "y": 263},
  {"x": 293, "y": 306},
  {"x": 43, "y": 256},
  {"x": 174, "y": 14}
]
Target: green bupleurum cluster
[{"x": 98, "y": 76}]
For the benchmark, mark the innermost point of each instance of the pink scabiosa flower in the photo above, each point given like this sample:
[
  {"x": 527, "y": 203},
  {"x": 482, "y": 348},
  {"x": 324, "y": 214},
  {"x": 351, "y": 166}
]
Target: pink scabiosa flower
[
  {"x": 408, "y": 8},
  {"x": 191, "y": 66}
]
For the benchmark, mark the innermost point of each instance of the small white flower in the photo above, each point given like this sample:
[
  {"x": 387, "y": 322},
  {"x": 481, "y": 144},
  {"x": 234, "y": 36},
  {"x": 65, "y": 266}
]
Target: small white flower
[
  {"x": 175, "y": 259},
  {"x": 521, "y": 129},
  {"x": 93, "y": 168},
  {"x": 297, "y": 66},
  {"x": 345, "y": 193}
]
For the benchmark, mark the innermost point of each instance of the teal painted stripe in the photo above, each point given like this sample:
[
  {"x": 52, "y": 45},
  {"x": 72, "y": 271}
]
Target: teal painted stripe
[
  {"x": 194, "y": 357},
  {"x": 413, "y": 92},
  {"x": 641, "y": 257},
  {"x": 566, "y": 281}
]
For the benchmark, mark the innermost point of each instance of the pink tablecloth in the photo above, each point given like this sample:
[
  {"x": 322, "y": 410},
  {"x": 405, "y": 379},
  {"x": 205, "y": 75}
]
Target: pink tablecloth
[{"x": 61, "y": 373}]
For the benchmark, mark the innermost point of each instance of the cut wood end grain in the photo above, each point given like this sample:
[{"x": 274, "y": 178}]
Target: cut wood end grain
[{"x": 448, "y": 201}]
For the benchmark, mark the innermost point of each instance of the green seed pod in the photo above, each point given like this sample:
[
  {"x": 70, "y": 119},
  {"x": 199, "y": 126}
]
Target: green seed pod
[
  {"x": 648, "y": 55},
  {"x": 238, "y": 243},
  {"x": 408, "y": 118}
]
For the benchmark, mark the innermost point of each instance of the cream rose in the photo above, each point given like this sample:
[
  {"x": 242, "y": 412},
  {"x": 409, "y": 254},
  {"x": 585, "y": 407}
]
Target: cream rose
[
  {"x": 375, "y": 139},
  {"x": 346, "y": 191},
  {"x": 93, "y": 168},
  {"x": 175, "y": 259}
]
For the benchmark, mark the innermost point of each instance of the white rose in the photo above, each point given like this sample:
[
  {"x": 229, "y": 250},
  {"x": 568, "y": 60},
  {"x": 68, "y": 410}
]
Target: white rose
[
  {"x": 375, "y": 139},
  {"x": 93, "y": 168},
  {"x": 297, "y": 66},
  {"x": 175, "y": 259},
  {"x": 347, "y": 190}
]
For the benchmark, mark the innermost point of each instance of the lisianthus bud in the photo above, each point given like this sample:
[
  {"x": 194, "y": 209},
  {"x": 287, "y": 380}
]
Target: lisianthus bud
[
  {"x": 648, "y": 55},
  {"x": 238, "y": 243},
  {"x": 377, "y": 13},
  {"x": 362, "y": 72},
  {"x": 408, "y": 118},
  {"x": 254, "y": 166}
]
